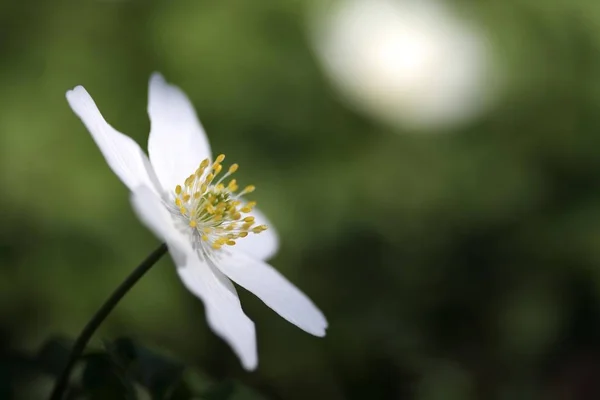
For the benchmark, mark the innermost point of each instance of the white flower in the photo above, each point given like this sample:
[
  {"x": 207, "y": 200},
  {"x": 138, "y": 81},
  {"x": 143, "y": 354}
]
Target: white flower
[{"x": 192, "y": 204}]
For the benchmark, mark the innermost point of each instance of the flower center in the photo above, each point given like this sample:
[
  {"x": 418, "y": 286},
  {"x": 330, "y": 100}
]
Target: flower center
[{"x": 214, "y": 210}]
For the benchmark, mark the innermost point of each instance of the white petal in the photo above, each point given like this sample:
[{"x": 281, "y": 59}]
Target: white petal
[
  {"x": 273, "y": 289},
  {"x": 123, "y": 154},
  {"x": 153, "y": 213},
  {"x": 223, "y": 310},
  {"x": 177, "y": 142},
  {"x": 262, "y": 246}
]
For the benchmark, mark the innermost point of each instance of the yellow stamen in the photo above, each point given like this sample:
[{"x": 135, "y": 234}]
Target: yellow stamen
[
  {"x": 232, "y": 185},
  {"x": 248, "y": 189},
  {"x": 214, "y": 209}
]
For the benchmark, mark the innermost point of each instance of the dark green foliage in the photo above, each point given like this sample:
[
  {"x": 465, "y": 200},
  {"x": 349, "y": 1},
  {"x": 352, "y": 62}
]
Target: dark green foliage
[
  {"x": 124, "y": 369},
  {"x": 159, "y": 375}
]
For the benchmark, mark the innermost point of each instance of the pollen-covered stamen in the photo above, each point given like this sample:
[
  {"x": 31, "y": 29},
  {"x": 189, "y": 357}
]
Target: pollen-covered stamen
[{"x": 212, "y": 208}]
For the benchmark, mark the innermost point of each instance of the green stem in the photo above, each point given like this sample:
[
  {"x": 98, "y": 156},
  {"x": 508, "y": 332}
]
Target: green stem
[{"x": 84, "y": 337}]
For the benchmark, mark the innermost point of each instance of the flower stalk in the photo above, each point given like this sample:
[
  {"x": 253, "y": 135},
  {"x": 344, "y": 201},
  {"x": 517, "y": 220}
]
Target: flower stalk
[{"x": 90, "y": 328}]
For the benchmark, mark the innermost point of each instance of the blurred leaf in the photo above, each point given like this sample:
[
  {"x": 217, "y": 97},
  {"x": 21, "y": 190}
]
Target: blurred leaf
[
  {"x": 123, "y": 351},
  {"x": 230, "y": 390},
  {"x": 103, "y": 379},
  {"x": 221, "y": 391},
  {"x": 180, "y": 392},
  {"x": 54, "y": 354},
  {"x": 160, "y": 375}
]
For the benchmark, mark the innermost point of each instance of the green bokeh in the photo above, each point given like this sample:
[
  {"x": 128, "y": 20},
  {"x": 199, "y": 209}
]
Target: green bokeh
[{"x": 455, "y": 266}]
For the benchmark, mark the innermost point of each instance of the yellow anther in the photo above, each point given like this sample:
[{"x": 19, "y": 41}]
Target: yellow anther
[
  {"x": 212, "y": 209},
  {"x": 261, "y": 228}
]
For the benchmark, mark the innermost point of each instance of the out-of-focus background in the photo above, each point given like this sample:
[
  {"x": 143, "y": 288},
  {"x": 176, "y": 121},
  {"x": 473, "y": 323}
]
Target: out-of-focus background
[{"x": 433, "y": 169}]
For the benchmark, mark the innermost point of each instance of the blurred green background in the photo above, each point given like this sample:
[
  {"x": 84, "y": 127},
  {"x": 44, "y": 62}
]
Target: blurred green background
[{"x": 463, "y": 265}]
